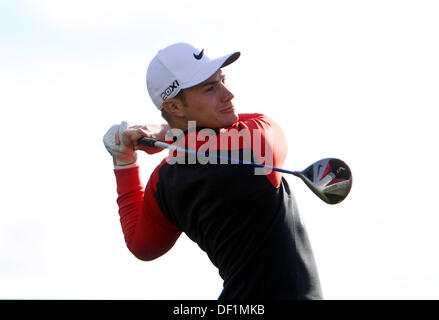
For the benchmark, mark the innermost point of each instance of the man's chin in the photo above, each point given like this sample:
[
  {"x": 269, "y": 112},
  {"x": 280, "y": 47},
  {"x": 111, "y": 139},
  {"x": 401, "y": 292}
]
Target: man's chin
[{"x": 230, "y": 119}]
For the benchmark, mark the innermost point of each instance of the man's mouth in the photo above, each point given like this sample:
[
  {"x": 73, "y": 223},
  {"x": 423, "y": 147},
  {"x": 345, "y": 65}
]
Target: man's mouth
[{"x": 230, "y": 108}]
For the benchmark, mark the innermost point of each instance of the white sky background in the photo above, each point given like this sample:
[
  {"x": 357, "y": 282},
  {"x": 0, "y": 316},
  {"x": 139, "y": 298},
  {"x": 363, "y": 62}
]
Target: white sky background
[{"x": 357, "y": 80}]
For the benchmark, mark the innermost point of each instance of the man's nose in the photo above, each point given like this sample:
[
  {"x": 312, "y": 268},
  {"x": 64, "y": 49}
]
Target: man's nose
[{"x": 227, "y": 94}]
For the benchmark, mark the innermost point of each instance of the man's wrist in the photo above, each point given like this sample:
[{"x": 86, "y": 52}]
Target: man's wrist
[
  {"x": 117, "y": 162},
  {"x": 125, "y": 166}
]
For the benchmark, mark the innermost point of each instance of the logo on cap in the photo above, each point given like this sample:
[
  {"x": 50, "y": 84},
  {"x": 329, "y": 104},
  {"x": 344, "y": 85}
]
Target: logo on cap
[
  {"x": 169, "y": 90},
  {"x": 199, "y": 56}
]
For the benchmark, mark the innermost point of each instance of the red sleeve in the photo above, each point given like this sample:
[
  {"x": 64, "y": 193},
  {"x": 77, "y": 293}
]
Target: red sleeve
[
  {"x": 272, "y": 147},
  {"x": 148, "y": 233}
]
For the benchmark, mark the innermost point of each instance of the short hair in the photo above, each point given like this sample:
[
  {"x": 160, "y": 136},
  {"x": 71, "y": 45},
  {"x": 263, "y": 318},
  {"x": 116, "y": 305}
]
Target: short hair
[{"x": 180, "y": 96}]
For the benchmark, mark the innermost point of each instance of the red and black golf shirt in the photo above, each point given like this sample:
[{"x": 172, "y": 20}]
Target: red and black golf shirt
[{"x": 247, "y": 223}]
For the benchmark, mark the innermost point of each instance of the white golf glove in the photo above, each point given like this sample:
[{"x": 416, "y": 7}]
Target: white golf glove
[{"x": 122, "y": 155}]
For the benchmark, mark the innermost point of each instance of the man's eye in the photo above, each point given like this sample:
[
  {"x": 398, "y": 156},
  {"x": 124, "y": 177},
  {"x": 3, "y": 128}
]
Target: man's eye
[{"x": 209, "y": 89}]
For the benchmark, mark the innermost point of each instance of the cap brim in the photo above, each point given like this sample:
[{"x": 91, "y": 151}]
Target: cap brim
[
  {"x": 231, "y": 58},
  {"x": 214, "y": 65}
]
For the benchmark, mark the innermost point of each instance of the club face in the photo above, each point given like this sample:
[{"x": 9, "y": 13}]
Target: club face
[{"x": 330, "y": 179}]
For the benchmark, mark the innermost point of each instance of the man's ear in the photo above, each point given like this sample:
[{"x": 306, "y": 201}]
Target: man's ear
[{"x": 174, "y": 107}]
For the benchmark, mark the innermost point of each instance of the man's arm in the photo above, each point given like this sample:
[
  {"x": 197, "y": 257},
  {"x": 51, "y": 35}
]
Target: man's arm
[
  {"x": 148, "y": 234},
  {"x": 268, "y": 142}
]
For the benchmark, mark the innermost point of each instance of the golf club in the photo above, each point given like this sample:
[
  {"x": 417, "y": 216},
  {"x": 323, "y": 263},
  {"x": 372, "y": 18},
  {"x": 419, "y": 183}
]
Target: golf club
[{"x": 330, "y": 178}]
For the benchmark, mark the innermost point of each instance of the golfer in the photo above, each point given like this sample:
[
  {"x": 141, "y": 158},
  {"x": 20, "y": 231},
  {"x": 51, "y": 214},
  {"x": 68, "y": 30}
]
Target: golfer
[{"x": 245, "y": 220}]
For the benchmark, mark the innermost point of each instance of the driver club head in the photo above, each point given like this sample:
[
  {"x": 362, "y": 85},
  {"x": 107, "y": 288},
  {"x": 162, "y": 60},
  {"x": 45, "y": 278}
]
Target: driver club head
[{"x": 330, "y": 179}]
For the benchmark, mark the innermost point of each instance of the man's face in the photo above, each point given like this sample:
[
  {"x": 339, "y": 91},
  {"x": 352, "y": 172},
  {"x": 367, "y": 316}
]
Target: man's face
[{"x": 210, "y": 103}]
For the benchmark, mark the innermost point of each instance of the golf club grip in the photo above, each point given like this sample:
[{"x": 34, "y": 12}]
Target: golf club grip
[{"x": 147, "y": 142}]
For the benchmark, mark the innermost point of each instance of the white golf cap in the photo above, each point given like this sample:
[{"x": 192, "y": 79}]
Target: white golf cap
[{"x": 178, "y": 67}]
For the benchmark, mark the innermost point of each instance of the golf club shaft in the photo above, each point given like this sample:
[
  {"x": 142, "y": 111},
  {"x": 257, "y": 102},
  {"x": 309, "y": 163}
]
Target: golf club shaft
[{"x": 158, "y": 144}]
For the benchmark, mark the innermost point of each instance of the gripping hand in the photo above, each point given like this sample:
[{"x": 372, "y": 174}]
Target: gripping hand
[{"x": 123, "y": 154}]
